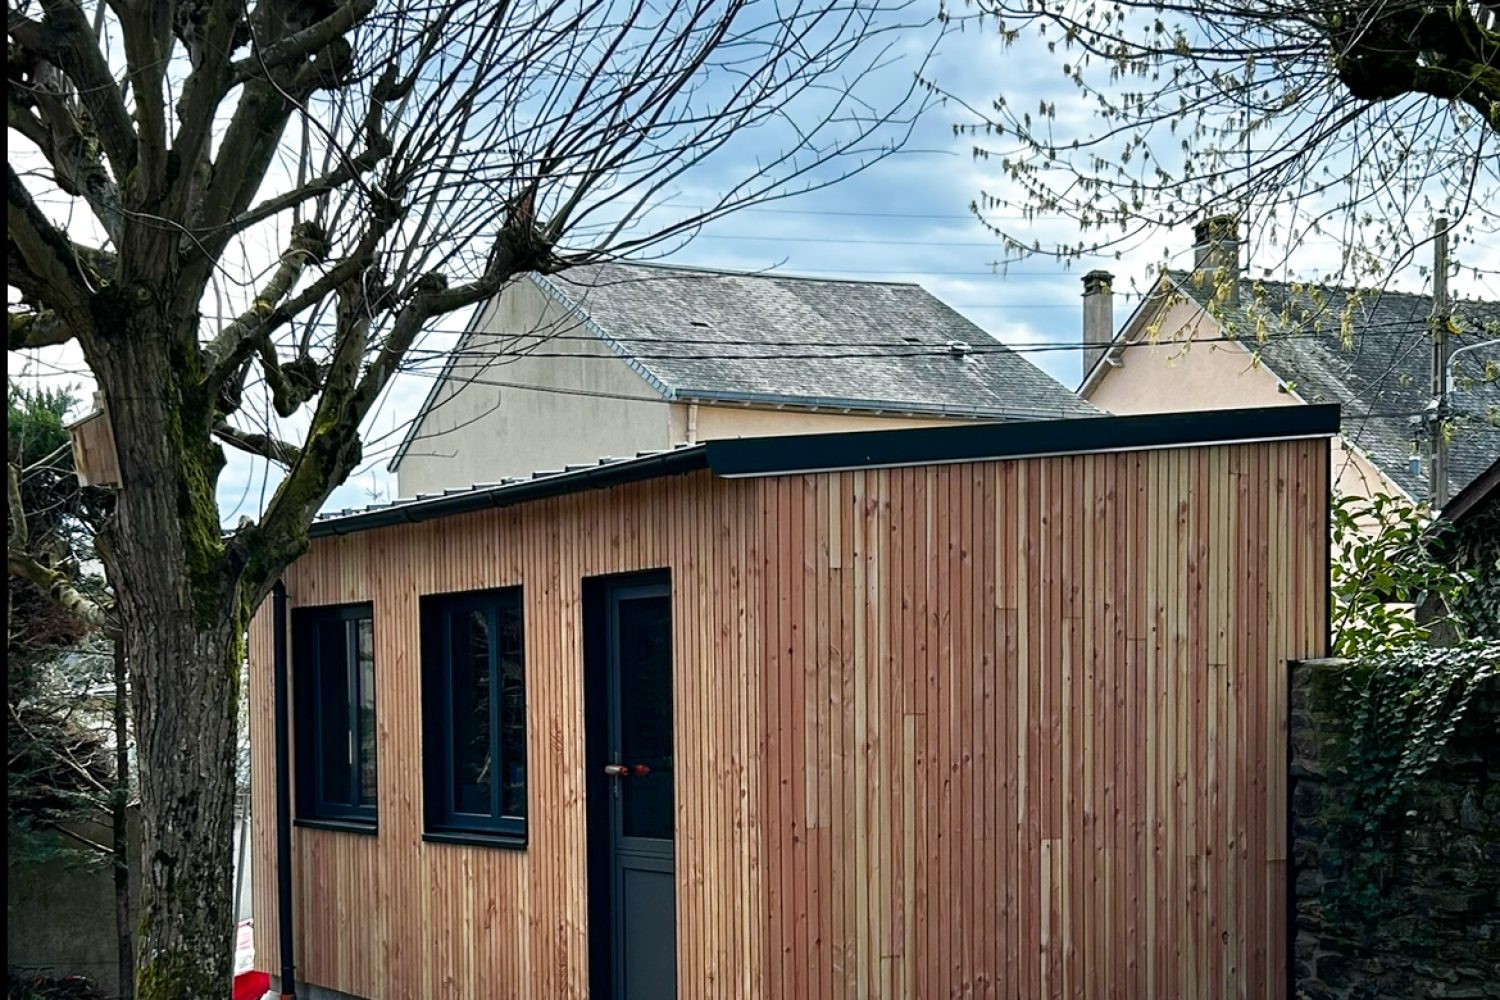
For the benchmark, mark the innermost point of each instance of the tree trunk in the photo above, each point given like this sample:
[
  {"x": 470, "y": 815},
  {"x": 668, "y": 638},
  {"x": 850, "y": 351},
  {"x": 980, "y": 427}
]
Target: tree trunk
[
  {"x": 183, "y": 619},
  {"x": 184, "y": 682}
]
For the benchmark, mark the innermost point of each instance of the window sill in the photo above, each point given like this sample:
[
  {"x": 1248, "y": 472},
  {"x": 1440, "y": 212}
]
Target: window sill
[
  {"x": 505, "y": 841},
  {"x": 364, "y": 828}
]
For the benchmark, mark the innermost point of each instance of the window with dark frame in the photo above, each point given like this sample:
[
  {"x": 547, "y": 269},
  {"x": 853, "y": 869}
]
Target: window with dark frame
[
  {"x": 474, "y": 714},
  {"x": 334, "y": 708}
]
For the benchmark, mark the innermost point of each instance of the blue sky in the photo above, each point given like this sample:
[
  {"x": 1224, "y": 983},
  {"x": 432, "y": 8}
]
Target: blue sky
[{"x": 905, "y": 219}]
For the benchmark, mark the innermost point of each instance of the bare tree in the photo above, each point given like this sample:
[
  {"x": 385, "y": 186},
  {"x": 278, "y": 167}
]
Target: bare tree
[
  {"x": 59, "y": 630},
  {"x": 1351, "y": 120},
  {"x": 338, "y": 174}
]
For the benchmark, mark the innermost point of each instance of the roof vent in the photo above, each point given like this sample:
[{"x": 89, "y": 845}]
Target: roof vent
[
  {"x": 698, "y": 322},
  {"x": 959, "y": 348}
]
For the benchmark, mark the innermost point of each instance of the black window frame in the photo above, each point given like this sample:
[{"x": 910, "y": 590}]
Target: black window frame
[
  {"x": 313, "y": 807},
  {"x": 442, "y": 820}
]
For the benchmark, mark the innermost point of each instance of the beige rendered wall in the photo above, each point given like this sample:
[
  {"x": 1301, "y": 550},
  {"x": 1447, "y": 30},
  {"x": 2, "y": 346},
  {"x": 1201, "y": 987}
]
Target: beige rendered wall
[
  {"x": 480, "y": 432},
  {"x": 1182, "y": 373}
]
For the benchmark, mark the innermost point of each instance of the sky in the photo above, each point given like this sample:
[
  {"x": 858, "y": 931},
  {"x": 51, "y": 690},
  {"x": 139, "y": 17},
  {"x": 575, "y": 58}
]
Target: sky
[{"x": 906, "y": 218}]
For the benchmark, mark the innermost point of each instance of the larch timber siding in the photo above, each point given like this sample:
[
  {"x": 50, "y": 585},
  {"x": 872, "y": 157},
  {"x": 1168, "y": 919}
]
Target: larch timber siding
[{"x": 1002, "y": 729}]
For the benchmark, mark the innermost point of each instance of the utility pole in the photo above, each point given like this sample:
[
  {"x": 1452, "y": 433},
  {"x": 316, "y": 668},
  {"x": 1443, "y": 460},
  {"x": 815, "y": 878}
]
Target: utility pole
[{"x": 1437, "y": 474}]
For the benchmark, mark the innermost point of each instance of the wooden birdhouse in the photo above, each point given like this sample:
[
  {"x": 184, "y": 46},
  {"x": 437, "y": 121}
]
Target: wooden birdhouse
[{"x": 94, "y": 456}]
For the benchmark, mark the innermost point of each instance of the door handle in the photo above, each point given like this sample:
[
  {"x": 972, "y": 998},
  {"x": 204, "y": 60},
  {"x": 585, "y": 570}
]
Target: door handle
[{"x": 617, "y": 770}]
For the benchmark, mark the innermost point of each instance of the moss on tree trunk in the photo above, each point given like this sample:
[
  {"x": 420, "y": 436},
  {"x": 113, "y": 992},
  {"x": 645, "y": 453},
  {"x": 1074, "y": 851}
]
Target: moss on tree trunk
[{"x": 184, "y": 617}]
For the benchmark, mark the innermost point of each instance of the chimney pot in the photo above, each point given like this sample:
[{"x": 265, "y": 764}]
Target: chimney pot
[
  {"x": 1098, "y": 317},
  {"x": 1216, "y": 253}
]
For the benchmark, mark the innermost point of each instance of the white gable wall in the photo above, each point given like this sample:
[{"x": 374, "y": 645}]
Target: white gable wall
[
  {"x": 567, "y": 410},
  {"x": 556, "y": 411}
]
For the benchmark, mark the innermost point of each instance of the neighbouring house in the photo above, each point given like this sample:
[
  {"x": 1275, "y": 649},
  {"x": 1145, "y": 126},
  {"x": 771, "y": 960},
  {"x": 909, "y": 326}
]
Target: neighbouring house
[
  {"x": 1468, "y": 538},
  {"x": 996, "y": 709},
  {"x": 1210, "y": 338},
  {"x": 618, "y": 358}
]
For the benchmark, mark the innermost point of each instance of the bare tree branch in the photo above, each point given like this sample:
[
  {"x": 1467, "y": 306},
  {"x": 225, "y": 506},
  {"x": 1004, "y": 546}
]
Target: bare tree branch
[
  {"x": 50, "y": 124},
  {"x": 31, "y": 329},
  {"x": 404, "y": 158},
  {"x": 65, "y": 39},
  {"x": 1304, "y": 119},
  {"x": 57, "y": 585},
  {"x": 260, "y": 445},
  {"x": 41, "y": 261},
  {"x": 309, "y": 41}
]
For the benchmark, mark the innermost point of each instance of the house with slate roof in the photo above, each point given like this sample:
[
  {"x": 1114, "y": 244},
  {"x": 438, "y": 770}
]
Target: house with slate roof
[
  {"x": 615, "y": 359},
  {"x": 1210, "y": 338}
]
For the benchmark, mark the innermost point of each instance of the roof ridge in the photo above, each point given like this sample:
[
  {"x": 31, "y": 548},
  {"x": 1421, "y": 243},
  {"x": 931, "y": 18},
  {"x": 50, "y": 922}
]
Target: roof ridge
[
  {"x": 1177, "y": 273},
  {"x": 737, "y": 273}
]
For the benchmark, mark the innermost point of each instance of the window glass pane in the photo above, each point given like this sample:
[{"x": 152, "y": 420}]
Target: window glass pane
[
  {"x": 365, "y": 638},
  {"x": 335, "y": 743},
  {"x": 512, "y": 708},
  {"x": 645, "y": 651},
  {"x": 469, "y": 664}
]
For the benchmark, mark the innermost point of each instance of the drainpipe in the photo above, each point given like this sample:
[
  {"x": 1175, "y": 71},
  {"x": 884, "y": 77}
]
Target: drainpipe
[
  {"x": 692, "y": 421},
  {"x": 283, "y": 794}
]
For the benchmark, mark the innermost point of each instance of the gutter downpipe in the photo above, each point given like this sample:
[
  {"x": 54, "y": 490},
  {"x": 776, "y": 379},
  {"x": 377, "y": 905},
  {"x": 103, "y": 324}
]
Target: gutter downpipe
[{"x": 283, "y": 795}]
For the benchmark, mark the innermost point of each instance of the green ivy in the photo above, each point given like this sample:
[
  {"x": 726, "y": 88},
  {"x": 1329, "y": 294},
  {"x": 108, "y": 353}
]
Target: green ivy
[
  {"x": 1404, "y": 706},
  {"x": 1386, "y": 565}
]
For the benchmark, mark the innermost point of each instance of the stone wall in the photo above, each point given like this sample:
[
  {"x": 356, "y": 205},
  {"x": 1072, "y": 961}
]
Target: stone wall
[
  {"x": 60, "y": 915},
  {"x": 1434, "y": 930}
]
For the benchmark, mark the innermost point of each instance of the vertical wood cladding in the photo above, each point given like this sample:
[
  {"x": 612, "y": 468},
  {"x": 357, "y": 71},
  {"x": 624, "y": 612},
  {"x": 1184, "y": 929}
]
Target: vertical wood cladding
[{"x": 1011, "y": 728}]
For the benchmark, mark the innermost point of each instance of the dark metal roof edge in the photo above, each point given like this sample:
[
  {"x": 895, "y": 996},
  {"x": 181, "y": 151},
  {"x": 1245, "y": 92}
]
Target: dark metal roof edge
[
  {"x": 972, "y": 443},
  {"x": 1471, "y": 496},
  {"x": 633, "y": 470}
]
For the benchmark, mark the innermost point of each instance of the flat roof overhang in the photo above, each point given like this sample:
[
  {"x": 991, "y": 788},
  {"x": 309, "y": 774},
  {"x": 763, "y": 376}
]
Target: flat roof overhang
[{"x": 840, "y": 451}]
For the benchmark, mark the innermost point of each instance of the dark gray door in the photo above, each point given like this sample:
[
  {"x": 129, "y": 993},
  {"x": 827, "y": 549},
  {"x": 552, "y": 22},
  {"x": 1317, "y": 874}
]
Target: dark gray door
[{"x": 638, "y": 772}]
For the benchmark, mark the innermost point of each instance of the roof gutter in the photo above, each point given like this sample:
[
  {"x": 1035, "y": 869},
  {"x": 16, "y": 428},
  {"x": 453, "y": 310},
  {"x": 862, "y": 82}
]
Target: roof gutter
[{"x": 780, "y": 400}]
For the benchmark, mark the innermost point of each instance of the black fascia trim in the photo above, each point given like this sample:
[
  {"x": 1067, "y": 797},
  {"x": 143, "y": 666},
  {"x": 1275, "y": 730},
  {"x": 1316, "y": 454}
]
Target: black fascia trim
[
  {"x": 972, "y": 443},
  {"x": 633, "y": 470}
]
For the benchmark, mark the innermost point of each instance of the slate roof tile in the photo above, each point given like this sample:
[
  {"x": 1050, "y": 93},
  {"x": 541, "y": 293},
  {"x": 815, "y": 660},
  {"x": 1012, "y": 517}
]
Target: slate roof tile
[
  {"x": 1381, "y": 373},
  {"x": 763, "y": 336}
]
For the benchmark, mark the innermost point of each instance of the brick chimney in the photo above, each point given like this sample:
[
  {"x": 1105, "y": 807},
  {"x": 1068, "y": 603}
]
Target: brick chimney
[
  {"x": 1098, "y": 317},
  {"x": 1216, "y": 253}
]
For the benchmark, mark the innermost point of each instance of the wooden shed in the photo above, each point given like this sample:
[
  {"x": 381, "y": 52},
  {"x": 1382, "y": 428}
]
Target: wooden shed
[{"x": 989, "y": 711}]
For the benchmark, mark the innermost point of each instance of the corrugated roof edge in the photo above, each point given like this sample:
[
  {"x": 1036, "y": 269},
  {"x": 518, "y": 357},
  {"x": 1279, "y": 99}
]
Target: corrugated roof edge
[
  {"x": 605, "y": 474},
  {"x": 791, "y": 455}
]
